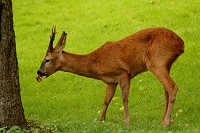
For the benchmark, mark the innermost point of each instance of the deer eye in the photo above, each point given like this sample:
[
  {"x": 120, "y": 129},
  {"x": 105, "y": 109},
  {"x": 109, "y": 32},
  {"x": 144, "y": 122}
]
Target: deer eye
[{"x": 47, "y": 60}]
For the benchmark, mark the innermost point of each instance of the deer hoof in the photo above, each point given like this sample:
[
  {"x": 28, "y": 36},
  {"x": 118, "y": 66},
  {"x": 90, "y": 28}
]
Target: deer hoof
[
  {"x": 127, "y": 121},
  {"x": 165, "y": 124}
]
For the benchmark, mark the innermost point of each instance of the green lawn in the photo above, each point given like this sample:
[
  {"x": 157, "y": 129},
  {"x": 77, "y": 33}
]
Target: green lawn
[{"x": 70, "y": 103}]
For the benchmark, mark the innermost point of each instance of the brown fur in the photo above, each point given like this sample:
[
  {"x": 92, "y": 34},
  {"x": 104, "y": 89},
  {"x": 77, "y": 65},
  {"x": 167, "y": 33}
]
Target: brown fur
[{"x": 114, "y": 63}]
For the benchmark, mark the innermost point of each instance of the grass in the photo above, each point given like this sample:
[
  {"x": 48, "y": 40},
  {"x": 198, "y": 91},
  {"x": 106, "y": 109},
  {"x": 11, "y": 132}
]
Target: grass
[{"x": 70, "y": 103}]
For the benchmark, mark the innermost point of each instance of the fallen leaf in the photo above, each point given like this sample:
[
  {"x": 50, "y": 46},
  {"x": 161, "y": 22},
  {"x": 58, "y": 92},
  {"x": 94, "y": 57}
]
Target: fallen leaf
[{"x": 122, "y": 108}]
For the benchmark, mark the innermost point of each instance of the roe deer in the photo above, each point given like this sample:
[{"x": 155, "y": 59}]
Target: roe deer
[{"x": 153, "y": 49}]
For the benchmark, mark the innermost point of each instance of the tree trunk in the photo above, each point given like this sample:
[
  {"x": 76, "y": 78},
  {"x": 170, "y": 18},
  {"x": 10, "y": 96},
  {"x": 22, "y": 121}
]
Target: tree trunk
[{"x": 11, "y": 110}]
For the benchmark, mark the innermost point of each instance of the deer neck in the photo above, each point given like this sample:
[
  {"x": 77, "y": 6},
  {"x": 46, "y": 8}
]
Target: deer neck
[{"x": 77, "y": 64}]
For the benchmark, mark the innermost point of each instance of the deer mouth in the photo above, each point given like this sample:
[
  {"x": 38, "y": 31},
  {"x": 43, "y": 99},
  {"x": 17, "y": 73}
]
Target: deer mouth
[{"x": 40, "y": 76}]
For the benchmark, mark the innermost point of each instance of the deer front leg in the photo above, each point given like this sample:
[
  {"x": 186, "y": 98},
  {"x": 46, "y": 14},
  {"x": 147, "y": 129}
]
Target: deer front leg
[
  {"x": 125, "y": 87},
  {"x": 110, "y": 91}
]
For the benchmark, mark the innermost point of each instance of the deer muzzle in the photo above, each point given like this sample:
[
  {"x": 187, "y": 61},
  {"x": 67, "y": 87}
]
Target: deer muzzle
[{"x": 40, "y": 76}]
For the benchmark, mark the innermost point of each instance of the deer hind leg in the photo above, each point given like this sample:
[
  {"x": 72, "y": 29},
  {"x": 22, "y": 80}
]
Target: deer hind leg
[
  {"x": 110, "y": 91},
  {"x": 171, "y": 88},
  {"x": 166, "y": 104},
  {"x": 125, "y": 88}
]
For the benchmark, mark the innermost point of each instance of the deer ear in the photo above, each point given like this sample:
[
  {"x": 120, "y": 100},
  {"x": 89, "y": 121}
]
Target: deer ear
[
  {"x": 62, "y": 42},
  {"x": 52, "y": 37}
]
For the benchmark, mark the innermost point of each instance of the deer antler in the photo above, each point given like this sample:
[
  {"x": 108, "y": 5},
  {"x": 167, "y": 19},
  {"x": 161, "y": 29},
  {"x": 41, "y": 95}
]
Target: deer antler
[{"x": 52, "y": 37}]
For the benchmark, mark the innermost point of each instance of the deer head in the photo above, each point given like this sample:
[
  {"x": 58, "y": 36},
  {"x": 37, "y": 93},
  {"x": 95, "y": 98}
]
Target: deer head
[{"x": 51, "y": 62}]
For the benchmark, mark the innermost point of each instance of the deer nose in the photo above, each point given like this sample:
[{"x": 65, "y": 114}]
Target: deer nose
[{"x": 40, "y": 73}]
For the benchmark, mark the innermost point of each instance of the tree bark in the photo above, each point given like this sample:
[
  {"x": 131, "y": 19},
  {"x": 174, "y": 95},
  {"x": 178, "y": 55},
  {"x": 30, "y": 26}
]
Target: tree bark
[{"x": 11, "y": 110}]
